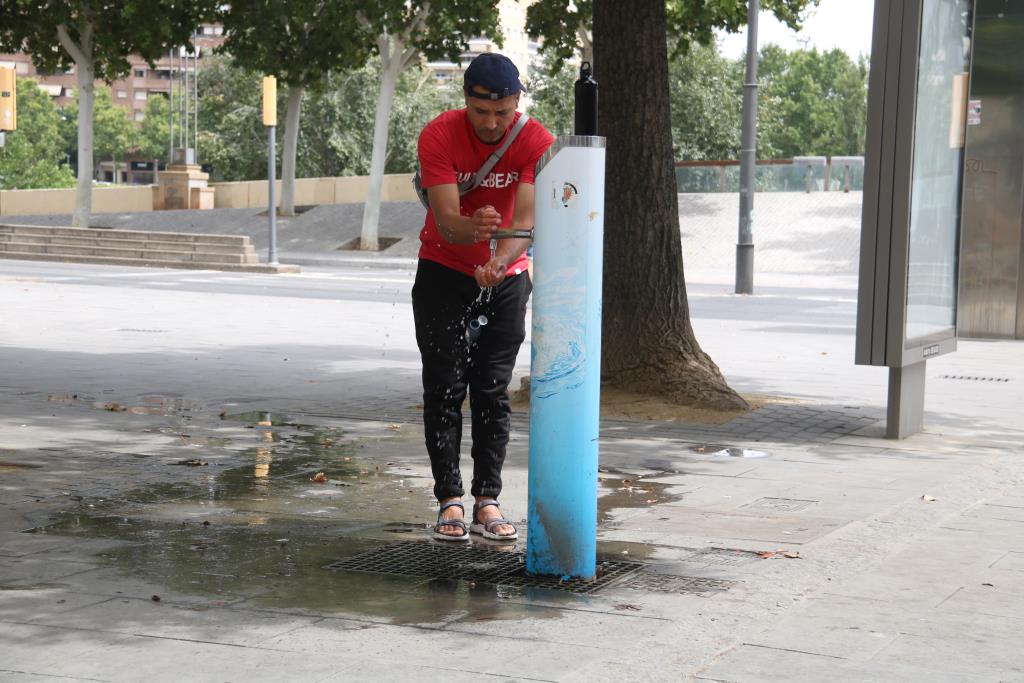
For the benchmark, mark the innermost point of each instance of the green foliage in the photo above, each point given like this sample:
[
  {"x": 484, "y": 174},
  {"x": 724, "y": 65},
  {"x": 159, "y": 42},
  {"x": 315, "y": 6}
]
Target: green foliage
[
  {"x": 688, "y": 21},
  {"x": 33, "y": 156},
  {"x": 231, "y": 133},
  {"x": 705, "y": 92},
  {"x": 336, "y": 136},
  {"x": 706, "y": 97},
  {"x": 440, "y": 32},
  {"x": 310, "y": 38},
  {"x": 813, "y": 103},
  {"x": 551, "y": 94},
  {"x": 336, "y": 131},
  {"x": 155, "y": 132},
  {"x": 114, "y": 133},
  {"x": 109, "y": 31}
]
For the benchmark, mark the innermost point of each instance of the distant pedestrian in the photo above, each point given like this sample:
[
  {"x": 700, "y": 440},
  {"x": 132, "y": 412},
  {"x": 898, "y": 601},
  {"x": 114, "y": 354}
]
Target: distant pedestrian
[{"x": 469, "y": 298}]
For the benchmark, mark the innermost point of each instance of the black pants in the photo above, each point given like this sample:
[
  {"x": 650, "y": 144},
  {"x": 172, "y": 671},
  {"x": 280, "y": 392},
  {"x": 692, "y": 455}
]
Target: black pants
[{"x": 443, "y": 302}]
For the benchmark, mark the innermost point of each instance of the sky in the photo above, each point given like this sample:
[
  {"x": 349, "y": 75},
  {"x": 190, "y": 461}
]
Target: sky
[{"x": 845, "y": 24}]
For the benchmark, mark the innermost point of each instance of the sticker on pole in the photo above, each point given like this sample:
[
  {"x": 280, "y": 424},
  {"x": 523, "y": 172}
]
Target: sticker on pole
[
  {"x": 564, "y": 195},
  {"x": 974, "y": 112}
]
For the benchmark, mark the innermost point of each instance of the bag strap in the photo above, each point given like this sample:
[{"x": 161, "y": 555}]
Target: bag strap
[{"x": 492, "y": 161}]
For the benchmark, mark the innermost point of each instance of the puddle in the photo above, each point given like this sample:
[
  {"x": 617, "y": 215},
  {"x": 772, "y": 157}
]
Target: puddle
[
  {"x": 147, "y": 404},
  {"x": 264, "y": 532},
  {"x": 16, "y": 466},
  {"x": 728, "y": 451},
  {"x": 626, "y": 491}
]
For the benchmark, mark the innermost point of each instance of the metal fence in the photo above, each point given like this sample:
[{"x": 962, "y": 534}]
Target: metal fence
[{"x": 800, "y": 174}]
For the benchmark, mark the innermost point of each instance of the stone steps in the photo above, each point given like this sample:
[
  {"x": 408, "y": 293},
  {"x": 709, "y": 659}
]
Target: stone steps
[{"x": 133, "y": 248}]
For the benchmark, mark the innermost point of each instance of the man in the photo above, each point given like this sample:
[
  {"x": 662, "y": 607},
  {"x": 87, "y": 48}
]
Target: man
[{"x": 469, "y": 303}]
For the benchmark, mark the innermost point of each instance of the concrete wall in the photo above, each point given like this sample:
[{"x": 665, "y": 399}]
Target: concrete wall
[
  {"x": 348, "y": 189},
  {"x": 119, "y": 199},
  {"x": 250, "y": 194}
]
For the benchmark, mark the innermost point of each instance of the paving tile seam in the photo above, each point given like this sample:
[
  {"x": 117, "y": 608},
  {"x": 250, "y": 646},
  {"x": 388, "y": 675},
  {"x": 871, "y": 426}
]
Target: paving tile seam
[
  {"x": 44, "y": 675},
  {"x": 847, "y": 546}
]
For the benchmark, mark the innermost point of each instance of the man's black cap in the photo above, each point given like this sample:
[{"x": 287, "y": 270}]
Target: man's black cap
[{"x": 496, "y": 73}]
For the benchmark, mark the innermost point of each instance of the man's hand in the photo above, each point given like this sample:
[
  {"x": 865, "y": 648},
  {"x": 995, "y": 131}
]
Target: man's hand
[
  {"x": 492, "y": 273},
  {"x": 486, "y": 221}
]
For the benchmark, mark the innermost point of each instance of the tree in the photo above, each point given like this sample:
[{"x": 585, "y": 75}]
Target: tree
[
  {"x": 33, "y": 156},
  {"x": 312, "y": 38},
  {"x": 113, "y": 132},
  {"x": 154, "y": 139},
  {"x": 648, "y": 343},
  {"x": 406, "y": 31},
  {"x": 819, "y": 99},
  {"x": 336, "y": 135},
  {"x": 705, "y": 93},
  {"x": 231, "y": 132},
  {"x": 551, "y": 93},
  {"x": 706, "y": 98},
  {"x": 96, "y": 37}
]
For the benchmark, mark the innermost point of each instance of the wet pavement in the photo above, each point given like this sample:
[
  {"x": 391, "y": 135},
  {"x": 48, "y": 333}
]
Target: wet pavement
[{"x": 241, "y": 493}]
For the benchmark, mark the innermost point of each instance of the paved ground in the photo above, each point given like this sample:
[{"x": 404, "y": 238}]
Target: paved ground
[
  {"x": 838, "y": 556},
  {"x": 794, "y": 232}
]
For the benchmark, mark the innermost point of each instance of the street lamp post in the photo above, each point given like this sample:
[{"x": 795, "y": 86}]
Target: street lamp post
[
  {"x": 270, "y": 121},
  {"x": 748, "y": 161}
]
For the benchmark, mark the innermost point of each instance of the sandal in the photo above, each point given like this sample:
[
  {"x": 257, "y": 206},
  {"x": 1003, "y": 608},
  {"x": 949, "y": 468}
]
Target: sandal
[
  {"x": 486, "y": 529},
  {"x": 464, "y": 536}
]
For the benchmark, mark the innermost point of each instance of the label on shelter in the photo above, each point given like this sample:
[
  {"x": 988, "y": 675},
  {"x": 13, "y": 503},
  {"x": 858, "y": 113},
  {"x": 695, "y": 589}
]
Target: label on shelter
[{"x": 974, "y": 112}]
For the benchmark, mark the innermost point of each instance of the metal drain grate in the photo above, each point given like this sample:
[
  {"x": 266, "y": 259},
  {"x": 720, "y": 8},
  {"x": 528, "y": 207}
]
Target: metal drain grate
[
  {"x": 670, "y": 583},
  {"x": 975, "y": 378},
  {"x": 780, "y": 504},
  {"x": 471, "y": 563}
]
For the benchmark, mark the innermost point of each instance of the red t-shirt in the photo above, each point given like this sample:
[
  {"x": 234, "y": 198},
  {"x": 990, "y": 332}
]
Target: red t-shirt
[{"x": 450, "y": 152}]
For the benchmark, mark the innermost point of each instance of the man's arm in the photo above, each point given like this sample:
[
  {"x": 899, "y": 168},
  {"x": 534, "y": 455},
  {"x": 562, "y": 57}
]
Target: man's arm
[{"x": 452, "y": 225}]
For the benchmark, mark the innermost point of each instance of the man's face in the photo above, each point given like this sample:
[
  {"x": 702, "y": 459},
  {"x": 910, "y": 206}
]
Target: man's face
[{"x": 491, "y": 118}]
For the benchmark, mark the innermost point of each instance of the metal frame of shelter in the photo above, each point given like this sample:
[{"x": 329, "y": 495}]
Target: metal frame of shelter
[{"x": 901, "y": 231}]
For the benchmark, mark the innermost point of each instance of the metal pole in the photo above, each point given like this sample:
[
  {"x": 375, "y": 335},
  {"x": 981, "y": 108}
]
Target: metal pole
[
  {"x": 170, "y": 105},
  {"x": 748, "y": 160},
  {"x": 565, "y": 373},
  {"x": 187, "y": 113},
  {"x": 179, "y": 100},
  {"x": 272, "y": 204},
  {"x": 195, "y": 100}
]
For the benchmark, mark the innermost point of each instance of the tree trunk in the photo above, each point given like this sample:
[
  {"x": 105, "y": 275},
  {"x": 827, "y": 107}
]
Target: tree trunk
[
  {"x": 81, "y": 53},
  {"x": 291, "y": 143},
  {"x": 648, "y": 342},
  {"x": 392, "y": 63}
]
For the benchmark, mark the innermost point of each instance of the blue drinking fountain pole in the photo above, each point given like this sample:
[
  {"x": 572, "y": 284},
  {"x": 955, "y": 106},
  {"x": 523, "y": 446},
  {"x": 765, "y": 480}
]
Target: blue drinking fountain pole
[{"x": 565, "y": 373}]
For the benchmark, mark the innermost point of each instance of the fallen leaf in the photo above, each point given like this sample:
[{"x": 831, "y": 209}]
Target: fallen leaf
[
  {"x": 928, "y": 499},
  {"x": 195, "y": 462},
  {"x": 114, "y": 407},
  {"x": 773, "y": 554},
  {"x": 626, "y": 605},
  {"x": 394, "y": 427},
  {"x": 320, "y": 477}
]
